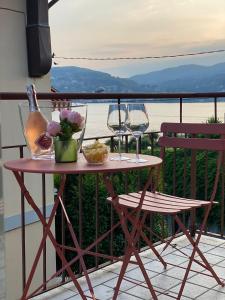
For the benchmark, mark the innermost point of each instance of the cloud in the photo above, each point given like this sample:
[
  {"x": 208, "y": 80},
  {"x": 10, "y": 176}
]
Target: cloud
[{"x": 100, "y": 28}]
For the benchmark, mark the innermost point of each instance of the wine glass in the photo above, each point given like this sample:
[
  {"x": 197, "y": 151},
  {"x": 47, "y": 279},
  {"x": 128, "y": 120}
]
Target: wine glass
[
  {"x": 117, "y": 116},
  {"x": 137, "y": 122}
]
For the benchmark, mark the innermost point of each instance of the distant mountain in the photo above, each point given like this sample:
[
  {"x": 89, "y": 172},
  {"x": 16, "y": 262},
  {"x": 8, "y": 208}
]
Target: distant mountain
[
  {"x": 74, "y": 79},
  {"x": 187, "y": 78}
]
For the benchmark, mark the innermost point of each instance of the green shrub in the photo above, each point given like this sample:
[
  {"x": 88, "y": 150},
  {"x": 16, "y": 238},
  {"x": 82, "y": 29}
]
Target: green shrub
[{"x": 88, "y": 194}]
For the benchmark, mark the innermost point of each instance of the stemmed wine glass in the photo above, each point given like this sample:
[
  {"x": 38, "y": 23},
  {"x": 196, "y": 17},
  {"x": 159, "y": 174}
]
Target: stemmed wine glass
[
  {"x": 117, "y": 116},
  {"x": 137, "y": 122}
]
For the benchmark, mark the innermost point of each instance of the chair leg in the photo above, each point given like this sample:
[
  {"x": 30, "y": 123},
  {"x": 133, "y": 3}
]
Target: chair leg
[
  {"x": 132, "y": 239},
  {"x": 127, "y": 256},
  {"x": 192, "y": 225},
  {"x": 141, "y": 233},
  {"x": 195, "y": 246},
  {"x": 151, "y": 246},
  {"x": 195, "y": 249},
  {"x": 149, "y": 284},
  {"x": 167, "y": 242}
]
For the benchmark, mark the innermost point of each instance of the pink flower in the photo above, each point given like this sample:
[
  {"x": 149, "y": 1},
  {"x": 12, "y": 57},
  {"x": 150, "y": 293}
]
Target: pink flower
[
  {"x": 64, "y": 114},
  {"x": 75, "y": 118},
  {"x": 53, "y": 128}
]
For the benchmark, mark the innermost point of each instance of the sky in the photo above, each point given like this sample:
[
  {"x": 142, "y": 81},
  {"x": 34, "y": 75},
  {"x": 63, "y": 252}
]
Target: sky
[{"x": 134, "y": 28}]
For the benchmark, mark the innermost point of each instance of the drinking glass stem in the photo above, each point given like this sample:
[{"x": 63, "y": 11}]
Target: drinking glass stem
[
  {"x": 119, "y": 146},
  {"x": 137, "y": 148}
]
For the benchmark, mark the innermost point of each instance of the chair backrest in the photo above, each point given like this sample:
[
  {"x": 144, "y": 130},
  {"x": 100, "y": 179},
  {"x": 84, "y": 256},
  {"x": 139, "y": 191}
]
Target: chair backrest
[
  {"x": 194, "y": 136},
  {"x": 191, "y": 130}
]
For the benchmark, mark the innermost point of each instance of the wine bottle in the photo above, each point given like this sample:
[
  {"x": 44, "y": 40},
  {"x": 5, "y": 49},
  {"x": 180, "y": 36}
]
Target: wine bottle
[{"x": 36, "y": 126}]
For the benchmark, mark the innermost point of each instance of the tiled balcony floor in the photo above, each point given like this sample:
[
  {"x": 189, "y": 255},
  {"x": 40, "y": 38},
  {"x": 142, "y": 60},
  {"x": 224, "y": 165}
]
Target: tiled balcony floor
[{"x": 167, "y": 281}]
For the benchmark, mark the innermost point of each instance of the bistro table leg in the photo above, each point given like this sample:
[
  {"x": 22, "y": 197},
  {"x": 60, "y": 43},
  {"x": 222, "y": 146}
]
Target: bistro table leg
[
  {"x": 31, "y": 166},
  {"x": 47, "y": 232},
  {"x": 79, "y": 251}
]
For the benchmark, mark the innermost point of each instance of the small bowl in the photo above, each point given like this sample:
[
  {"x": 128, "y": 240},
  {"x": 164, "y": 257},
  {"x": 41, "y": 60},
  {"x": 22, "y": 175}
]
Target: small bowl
[{"x": 96, "y": 154}]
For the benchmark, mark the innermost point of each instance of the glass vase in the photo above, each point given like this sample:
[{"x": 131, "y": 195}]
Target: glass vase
[{"x": 65, "y": 151}]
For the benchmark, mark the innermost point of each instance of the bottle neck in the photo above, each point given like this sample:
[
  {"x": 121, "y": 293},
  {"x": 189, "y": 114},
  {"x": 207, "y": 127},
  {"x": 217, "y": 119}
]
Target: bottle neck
[{"x": 32, "y": 98}]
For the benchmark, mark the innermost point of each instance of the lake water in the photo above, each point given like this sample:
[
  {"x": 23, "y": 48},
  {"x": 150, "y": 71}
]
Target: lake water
[{"x": 158, "y": 113}]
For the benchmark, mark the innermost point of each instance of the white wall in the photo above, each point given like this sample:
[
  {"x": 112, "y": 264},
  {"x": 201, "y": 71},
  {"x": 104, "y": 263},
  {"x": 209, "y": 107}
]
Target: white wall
[
  {"x": 2, "y": 246},
  {"x": 14, "y": 78}
]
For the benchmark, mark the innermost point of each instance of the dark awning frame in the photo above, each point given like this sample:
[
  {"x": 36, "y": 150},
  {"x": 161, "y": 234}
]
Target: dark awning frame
[
  {"x": 51, "y": 3},
  {"x": 39, "y": 52}
]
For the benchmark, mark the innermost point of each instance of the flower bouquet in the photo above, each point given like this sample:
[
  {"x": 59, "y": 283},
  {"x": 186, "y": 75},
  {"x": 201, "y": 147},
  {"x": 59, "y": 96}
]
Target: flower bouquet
[{"x": 62, "y": 133}]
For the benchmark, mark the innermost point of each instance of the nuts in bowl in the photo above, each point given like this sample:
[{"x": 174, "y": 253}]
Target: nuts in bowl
[{"x": 96, "y": 153}]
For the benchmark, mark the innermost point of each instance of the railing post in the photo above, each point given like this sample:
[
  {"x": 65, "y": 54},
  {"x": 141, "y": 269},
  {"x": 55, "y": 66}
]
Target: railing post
[
  {"x": 181, "y": 110},
  {"x": 96, "y": 217},
  {"x": 193, "y": 190},
  {"x": 140, "y": 139},
  {"x": 112, "y": 144},
  {"x": 44, "y": 215},
  {"x": 63, "y": 239},
  {"x": 126, "y": 143},
  {"x": 152, "y": 143},
  {"x": 174, "y": 171},
  {"x": 80, "y": 216},
  {"x": 215, "y": 109},
  {"x": 23, "y": 233},
  {"x": 222, "y": 200}
]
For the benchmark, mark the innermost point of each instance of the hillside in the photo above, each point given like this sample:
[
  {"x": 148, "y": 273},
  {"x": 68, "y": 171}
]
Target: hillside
[
  {"x": 187, "y": 78},
  {"x": 74, "y": 79}
]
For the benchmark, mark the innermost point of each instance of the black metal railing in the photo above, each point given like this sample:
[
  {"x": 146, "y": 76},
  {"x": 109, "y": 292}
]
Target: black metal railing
[{"x": 153, "y": 150}]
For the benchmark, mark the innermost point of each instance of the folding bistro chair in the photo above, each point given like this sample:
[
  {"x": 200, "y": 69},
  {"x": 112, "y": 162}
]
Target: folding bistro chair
[{"x": 135, "y": 206}]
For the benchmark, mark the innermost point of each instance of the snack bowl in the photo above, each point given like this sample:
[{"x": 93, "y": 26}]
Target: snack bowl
[{"x": 96, "y": 153}]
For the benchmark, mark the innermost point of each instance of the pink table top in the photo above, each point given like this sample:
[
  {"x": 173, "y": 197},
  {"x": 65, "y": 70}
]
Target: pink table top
[{"x": 79, "y": 167}]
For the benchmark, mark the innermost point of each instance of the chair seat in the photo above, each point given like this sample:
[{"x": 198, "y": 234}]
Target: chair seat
[{"x": 160, "y": 203}]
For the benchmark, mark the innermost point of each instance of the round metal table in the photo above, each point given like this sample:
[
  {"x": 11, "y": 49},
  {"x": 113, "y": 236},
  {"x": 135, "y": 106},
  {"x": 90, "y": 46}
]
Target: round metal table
[{"x": 24, "y": 165}]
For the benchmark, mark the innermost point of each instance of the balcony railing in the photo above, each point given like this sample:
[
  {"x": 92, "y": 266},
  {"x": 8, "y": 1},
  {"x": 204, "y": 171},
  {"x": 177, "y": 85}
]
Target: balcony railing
[
  {"x": 180, "y": 97},
  {"x": 153, "y": 150}
]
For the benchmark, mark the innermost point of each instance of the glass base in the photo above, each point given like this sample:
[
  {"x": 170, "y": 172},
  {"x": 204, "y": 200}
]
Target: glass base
[
  {"x": 137, "y": 160},
  {"x": 120, "y": 158}
]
